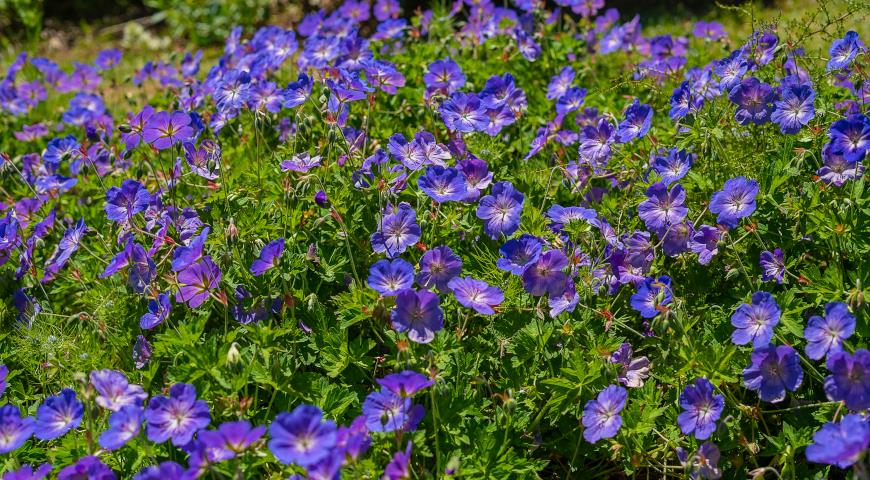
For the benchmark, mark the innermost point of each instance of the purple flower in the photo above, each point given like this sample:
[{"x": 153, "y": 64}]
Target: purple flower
[
  {"x": 124, "y": 425},
  {"x": 406, "y": 383},
  {"x": 701, "y": 409},
  {"x": 601, "y": 417},
  {"x": 731, "y": 69},
  {"x": 297, "y": 92},
  {"x": 443, "y": 184},
  {"x": 842, "y": 443},
  {"x": 518, "y": 253},
  {"x": 638, "y": 119},
  {"x": 632, "y": 371},
  {"x": 662, "y": 208},
  {"x": 397, "y": 230},
  {"x": 546, "y": 275},
  {"x": 437, "y": 267},
  {"x": 58, "y": 415},
  {"x": 418, "y": 313},
  {"x": 825, "y": 335},
  {"x": 704, "y": 463},
  {"x": 561, "y": 216},
  {"x": 501, "y": 210},
  {"x": 165, "y": 129},
  {"x": 197, "y": 281},
  {"x": 705, "y": 242},
  {"x": 772, "y": 371},
  {"x": 754, "y": 101},
  {"x": 651, "y": 297},
  {"x": 571, "y": 100},
  {"x": 141, "y": 351},
  {"x": 270, "y": 255},
  {"x": 321, "y": 199},
  {"x": 399, "y": 467},
  {"x": 849, "y": 380},
  {"x": 204, "y": 161},
  {"x": 158, "y": 311},
  {"x": 850, "y": 137},
  {"x": 410, "y": 154},
  {"x": 114, "y": 391},
  {"x": 794, "y": 109},
  {"x": 708, "y": 30},
  {"x": 388, "y": 278},
  {"x": 736, "y": 200},
  {"x": 836, "y": 170},
  {"x": 128, "y": 200},
  {"x": 163, "y": 471},
  {"x": 301, "y": 162},
  {"x": 772, "y": 265},
  {"x": 355, "y": 439},
  {"x": 476, "y": 294},
  {"x": 302, "y": 437},
  {"x": 444, "y": 75},
  {"x": 560, "y": 83},
  {"x": 387, "y": 412},
  {"x": 464, "y": 112},
  {"x": 26, "y": 472},
  {"x": 674, "y": 166},
  {"x": 177, "y": 417},
  {"x": 843, "y": 51},
  {"x": 596, "y": 141},
  {"x": 87, "y": 468},
  {"x": 231, "y": 438},
  {"x": 14, "y": 430},
  {"x": 754, "y": 323}
]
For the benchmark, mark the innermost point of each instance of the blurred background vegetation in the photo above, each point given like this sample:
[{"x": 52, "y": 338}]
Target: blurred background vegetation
[
  {"x": 64, "y": 29},
  {"x": 26, "y": 22}
]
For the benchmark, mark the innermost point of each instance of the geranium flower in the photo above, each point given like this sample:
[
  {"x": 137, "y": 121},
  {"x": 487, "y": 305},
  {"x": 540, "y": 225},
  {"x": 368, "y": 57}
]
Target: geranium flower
[
  {"x": 270, "y": 256},
  {"x": 636, "y": 124},
  {"x": 754, "y": 101},
  {"x": 843, "y": 51},
  {"x": 632, "y": 371},
  {"x": 736, "y": 200},
  {"x": 850, "y": 137},
  {"x": 663, "y": 208},
  {"x": 405, "y": 383},
  {"x": 772, "y": 265},
  {"x": 651, "y": 296},
  {"x": 89, "y": 467},
  {"x": 476, "y": 294},
  {"x": 397, "y": 230},
  {"x": 388, "y": 278},
  {"x": 849, "y": 381},
  {"x": 387, "y": 412},
  {"x": 705, "y": 242},
  {"x": 501, "y": 210},
  {"x": 464, "y": 112},
  {"x": 114, "y": 391},
  {"x": 14, "y": 430},
  {"x": 418, "y": 313},
  {"x": 546, "y": 275},
  {"x": 437, "y": 267},
  {"x": 704, "y": 463},
  {"x": 755, "y": 322},
  {"x": 302, "y": 437},
  {"x": 124, "y": 425},
  {"x": 165, "y": 129},
  {"x": 701, "y": 409},
  {"x": 836, "y": 170},
  {"x": 399, "y": 467},
  {"x": 26, "y": 472},
  {"x": 177, "y": 417},
  {"x": 794, "y": 109},
  {"x": 772, "y": 371},
  {"x": 601, "y": 417},
  {"x": 158, "y": 311},
  {"x": 197, "y": 281},
  {"x": 443, "y": 184},
  {"x": 58, "y": 415},
  {"x": 825, "y": 335},
  {"x": 840, "y": 443}
]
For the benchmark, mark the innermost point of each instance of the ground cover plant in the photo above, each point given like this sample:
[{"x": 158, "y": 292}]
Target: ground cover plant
[{"x": 476, "y": 241}]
